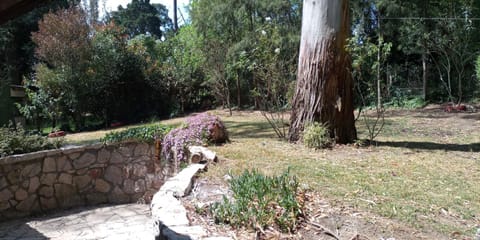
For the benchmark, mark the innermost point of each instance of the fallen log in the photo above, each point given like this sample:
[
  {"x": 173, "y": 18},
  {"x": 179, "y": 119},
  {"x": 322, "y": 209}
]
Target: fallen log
[{"x": 198, "y": 154}]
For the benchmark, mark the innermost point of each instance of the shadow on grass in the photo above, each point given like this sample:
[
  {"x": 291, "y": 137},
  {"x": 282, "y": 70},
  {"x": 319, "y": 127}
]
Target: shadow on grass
[
  {"x": 473, "y": 147},
  {"x": 249, "y": 129}
]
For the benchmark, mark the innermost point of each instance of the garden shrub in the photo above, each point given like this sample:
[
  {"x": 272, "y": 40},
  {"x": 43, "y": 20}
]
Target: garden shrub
[
  {"x": 406, "y": 102},
  {"x": 262, "y": 201},
  {"x": 18, "y": 141},
  {"x": 200, "y": 129},
  {"x": 316, "y": 135},
  {"x": 146, "y": 134}
]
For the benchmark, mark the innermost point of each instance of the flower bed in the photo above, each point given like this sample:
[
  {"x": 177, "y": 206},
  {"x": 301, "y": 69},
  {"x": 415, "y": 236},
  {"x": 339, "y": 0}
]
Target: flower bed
[{"x": 201, "y": 129}]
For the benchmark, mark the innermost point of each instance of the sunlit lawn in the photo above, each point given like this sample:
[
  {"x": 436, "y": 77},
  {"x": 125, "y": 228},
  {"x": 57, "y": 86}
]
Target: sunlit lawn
[{"x": 424, "y": 171}]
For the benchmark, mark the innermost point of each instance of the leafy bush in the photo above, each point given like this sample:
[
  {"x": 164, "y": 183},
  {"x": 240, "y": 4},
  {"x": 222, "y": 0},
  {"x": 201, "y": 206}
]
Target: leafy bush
[
  {"x": 200, "y": 129},
  {"x": 144, "y": 134},
  {"x": 316, "y": 135},
  {"x": 261, "y": 201},
  {"x": 17, "y": 141},
  {"x": 405, "y": 100}
]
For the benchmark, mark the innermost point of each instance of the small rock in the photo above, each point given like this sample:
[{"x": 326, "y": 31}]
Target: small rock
[
  {"x": 27, "y": 204},
  {"x": 48, "y": 203},
  {"x": 3, "y": 182},
  {"x": 140, "y": 186},
  {"x": 102, "y": 186},
  {"x": 74, "y": 155},
  {"x": 31, "y": 170},
  {"x": 129, "y": 186},
  {"x": 65, "y": 178},
  {"x": 116, "y": 157},
  {"x": 113, "y": 174},
  {"x": 127, "y": 150},
  {"x": 4, "y": 206},
  {"x": 82, "y": 181},
  {"x": 14, "y": 176},
  {"x": 34, "y": 184},
  {"x": 141, "y": 149},
  {"x": 63, "y": 164},
  {"x": 118, "y": 196},
  {"x": 21, "y": 194},
  {"x": 227, "y": 177},
  {"x": 48, "y": 179},
  {"x": 103, "y": 156},
  {"x": 46, "y": 191},
  {"x": 84, "y": 161},
  {"x": 5, "y": 195},
  {"x": 25, "y": 184},
  {"x": 49, "y": 165},
  {"x": 139, "y": 170},
  {"x": 67, "y": 196},
  {"x": 96, "y": 198}
]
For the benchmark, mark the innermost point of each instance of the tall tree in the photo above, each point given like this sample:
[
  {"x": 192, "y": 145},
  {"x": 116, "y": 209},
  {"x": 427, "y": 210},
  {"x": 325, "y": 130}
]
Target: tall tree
[
  {"x": 64, "y": 49},
  {"x": 324, "y": 91},
  {"x": 175, "y": 18},
  {"x": 141, "y": 17},
  {"x": 232, "y": 33},
  {"x": 17, "y": 52}
]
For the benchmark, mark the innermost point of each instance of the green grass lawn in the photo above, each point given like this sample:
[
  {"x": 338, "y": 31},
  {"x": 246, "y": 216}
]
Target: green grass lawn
[{"x": 424, "y": 171}]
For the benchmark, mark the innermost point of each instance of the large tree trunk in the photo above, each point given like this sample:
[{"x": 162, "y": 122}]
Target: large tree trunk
[
  {"x": 324, "y": 90},
  {"x": 424, "y": 76},
  {"x": 175, "y": 18}
]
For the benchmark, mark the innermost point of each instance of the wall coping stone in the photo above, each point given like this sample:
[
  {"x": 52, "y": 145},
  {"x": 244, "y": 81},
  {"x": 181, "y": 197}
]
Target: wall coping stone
[
  {"x": 13, "y": 159},
  {"x": 168, "y": 213},
  {"x": 69, "y": 149}
]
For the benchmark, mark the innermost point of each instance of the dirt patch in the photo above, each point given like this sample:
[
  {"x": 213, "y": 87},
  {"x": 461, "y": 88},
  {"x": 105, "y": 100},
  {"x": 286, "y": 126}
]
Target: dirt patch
[{"x": 325, "y": 220}]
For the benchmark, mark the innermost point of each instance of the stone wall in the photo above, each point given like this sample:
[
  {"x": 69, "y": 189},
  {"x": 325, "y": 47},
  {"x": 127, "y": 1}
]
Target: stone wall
[{"x": 89, "y": 175}]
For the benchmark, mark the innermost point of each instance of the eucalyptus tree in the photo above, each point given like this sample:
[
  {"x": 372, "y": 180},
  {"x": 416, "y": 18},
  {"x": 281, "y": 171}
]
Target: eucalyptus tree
[{"x": 324, "y": 91}]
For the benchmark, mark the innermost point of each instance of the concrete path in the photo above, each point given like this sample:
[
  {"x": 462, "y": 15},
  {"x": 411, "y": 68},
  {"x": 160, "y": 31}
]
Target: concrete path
[{"x": 129, "y": 221}]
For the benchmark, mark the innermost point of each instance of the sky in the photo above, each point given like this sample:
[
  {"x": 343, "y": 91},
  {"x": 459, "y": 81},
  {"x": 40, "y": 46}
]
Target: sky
[{"x": 113, "y": 4}]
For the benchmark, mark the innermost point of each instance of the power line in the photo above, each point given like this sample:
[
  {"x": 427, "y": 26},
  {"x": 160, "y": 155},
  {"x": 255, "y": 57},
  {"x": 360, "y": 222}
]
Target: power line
[{"x": 429, "y": 18}]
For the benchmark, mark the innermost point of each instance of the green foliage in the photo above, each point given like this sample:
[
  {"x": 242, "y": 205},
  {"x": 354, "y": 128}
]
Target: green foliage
[
  {"x": 406, "y": 102},
  {"x": 144, "y": 134},
  {"x": 141, "y": 17},
  {"x": 184, "y": 69},
  {"x": 117, "y": 73},
  {"x": 98, "y": 75},
  {"x": 365, "y": 64},
  {"x": 64, "y": 50},
  {"x": 17, "y": 141},
  {"x": 260, "y": 201},
  {"x": 316, "y": 136},
  {"x": 250, "y": 48},
  {"x": 477, "y": 70},
  {"x": 17, "y": 52},
  {"x": 445, "y": 39}
]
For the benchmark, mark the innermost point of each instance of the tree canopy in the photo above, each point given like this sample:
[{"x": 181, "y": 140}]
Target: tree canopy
[
  {"x": 230, "y": 53},
  {"x": 141, "y": 17}
]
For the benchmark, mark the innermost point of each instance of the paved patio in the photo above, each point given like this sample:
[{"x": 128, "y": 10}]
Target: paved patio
[{"x": 129, "y": 221}]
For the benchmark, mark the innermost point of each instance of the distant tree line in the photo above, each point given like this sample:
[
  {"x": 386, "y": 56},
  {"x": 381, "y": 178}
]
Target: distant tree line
[{"x": 131, "y": 65}]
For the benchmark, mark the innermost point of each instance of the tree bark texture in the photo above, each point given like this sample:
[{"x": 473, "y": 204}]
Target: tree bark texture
[
  {"x": 324, "y": 91},
  {"x": 175, "y": 18},
  {"x": 424, "y": 76}
]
